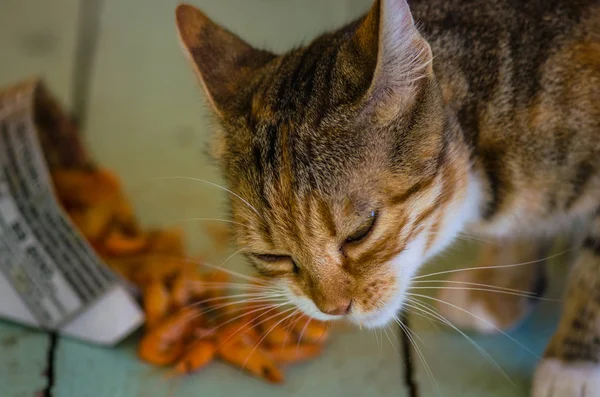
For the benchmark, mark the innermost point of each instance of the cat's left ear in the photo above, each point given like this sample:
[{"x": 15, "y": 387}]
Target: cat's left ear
[
  {"x": 222, "y": 60},
  {"x": 398, "y": 55}
]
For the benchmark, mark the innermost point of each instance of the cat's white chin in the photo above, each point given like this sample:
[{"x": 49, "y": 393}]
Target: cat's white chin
[
  {"x": 374, "y": 320},
  {"x": 380, "y": 317}
]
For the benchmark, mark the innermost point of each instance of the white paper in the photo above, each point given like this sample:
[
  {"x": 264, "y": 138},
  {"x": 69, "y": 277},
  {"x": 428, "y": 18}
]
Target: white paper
[{"x": 50, "y": 277}]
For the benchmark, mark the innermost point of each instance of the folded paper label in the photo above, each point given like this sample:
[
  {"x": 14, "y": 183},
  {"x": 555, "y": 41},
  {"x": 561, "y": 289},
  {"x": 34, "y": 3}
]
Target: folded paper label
[{"x": 51, "y": 277}]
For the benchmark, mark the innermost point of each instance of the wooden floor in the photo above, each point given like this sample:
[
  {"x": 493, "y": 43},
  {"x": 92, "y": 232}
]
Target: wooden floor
[{"x": 117, "y": 65}]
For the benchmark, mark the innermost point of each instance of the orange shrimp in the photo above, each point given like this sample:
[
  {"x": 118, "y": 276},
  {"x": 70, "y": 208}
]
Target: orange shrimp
[
  {"x": 188, "y": 285},
  {"x": 123, "y": 268},
  {"x": 180, "y": 293},
  {"x": 93, "y": 221},
  {"x": 119, "y": 244},
  {"x": 167, "y": 241},
  {"x": 83, "y": 187},
  {"x": 150, "y": 267},
  {"x": 199, "y": 354},
  {"x": 294, "y": 353},
  {"x": 309, "y": 330},
  {"x": 124, "y": 212},
  {"x": 275, "y": 332},
  {"x": 218, "y": 276},
  {"x": 252, "y": 359},
  {"x": 216, "y": 283},
  {"x": 236, "y": 331},
  {"x": 164, "y": 344},
  {"x": 156, "y": 302}
]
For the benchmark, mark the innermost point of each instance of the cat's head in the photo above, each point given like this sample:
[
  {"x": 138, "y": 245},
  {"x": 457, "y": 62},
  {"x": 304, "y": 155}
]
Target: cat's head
[{"x": 342, "y": 161}]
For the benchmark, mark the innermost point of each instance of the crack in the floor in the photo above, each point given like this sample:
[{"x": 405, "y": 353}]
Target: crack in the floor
[
  {"x": 50, "y": 360},
  {"x": 409, "y": 372},
  {"x": 87, "y": 44}
]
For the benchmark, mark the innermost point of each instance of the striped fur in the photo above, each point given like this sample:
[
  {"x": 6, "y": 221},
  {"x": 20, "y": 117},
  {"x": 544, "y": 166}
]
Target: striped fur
[{"x": 485, "y": 118}]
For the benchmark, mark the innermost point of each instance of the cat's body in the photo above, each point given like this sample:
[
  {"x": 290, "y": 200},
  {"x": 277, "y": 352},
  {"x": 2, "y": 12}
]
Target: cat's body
[
  {"x": 358, "y": 157},
  {"x": 523, "y": 79}
]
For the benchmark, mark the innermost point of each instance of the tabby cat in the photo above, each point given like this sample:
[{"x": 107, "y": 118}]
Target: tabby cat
[{"x": 360, "y": 156}]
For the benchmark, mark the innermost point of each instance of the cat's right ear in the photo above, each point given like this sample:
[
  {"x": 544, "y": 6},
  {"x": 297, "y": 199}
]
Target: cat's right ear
[
  {"x": 390, "y": 54},
  {"x": 222, "y": 60}
]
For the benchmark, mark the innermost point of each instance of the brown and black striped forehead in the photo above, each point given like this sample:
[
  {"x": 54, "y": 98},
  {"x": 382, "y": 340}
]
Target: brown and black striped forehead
[
  {"x": 286, "y": 155},
  {"x": 284, "y": 165},
  {"x": 301, "y": 119},
  {"x": 307, "y": 84}
]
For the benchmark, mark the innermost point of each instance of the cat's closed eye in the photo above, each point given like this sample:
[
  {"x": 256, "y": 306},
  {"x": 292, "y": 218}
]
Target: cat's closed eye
[
  {"x": 273, "y": 265},
  {"x": 363, "y": 231}
]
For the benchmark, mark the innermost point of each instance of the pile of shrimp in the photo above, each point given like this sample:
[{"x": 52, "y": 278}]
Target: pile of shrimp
[{"x": 192, "y": 314}]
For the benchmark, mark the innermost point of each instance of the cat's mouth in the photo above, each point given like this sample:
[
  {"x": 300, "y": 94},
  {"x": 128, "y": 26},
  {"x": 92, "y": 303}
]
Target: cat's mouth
[
  {"x": 386, "y": 313},
  {"x": 378, "y": 318}
]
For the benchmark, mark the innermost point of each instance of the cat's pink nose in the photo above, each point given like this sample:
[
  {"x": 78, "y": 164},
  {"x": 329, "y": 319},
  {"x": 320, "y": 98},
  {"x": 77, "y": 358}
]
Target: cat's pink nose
[{"x": 338, "y": 309}]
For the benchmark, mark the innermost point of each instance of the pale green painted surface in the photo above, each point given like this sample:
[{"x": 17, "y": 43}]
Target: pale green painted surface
[
  {"x": 355, "y": 364},
  {"x": 458, "y": 367},
  {"x": 23, "y": 357},
  {"x": 37, "y": 38},
  {"x": 460, "y": 370},
  {"x": 147, "y": 120}
]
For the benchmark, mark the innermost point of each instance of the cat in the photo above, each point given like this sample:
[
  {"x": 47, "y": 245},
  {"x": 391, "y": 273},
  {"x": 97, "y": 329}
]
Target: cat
[{"x": 360, "y": 156}]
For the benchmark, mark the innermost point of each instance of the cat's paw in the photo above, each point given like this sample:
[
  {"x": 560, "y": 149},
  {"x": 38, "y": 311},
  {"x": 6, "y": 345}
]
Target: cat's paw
[
  {"x": 555, "y": 378},
  {"x": 470, "y": 307}
]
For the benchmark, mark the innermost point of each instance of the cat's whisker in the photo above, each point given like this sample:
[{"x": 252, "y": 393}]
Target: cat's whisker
[
  {"x": 201, "y": 263},
  {"x": 478, "y": 239},
  {"x": 267, "y": 303},
  {"x": 215, "y": 185},
  {"x": 529, "y": 296},
  {"x": 263, "y": 304},
  {"x": 385, "y": 330},
  {"x": 229, "y": 297},
  {"x": 243, "y": 306},
  {"x": 291, "y": 326},
  {"x": 463, "y": 236},
  {"x": 415, "y": 335},
  {"x": 234, "y": 310},
  {"x": 473, "y": 284},
  {"x": 267, "y": 299},
  {"x": 433, "y": 321},
  {"x": 220, "y": 267},
  {"x": 236, "y": 274},
  {"x": 201, "y": 219},
  {"x": 478, "y": 318},
  {"x": 268, "y": 309},
  {"x": 295, "y": 310},
  {"x": 267, "y": 292},
  {"x": 250, "y": 321},
  {"x": 493, "y": 267},
  {"x": 302, "y": 332},
  {"x": 386, "y": 334},
  {"x": 421, "y": 307},
  {"x": 377, "y": 340},
  {"x": 407, "y": 332},
  {"x": 233, "y": 286}
]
